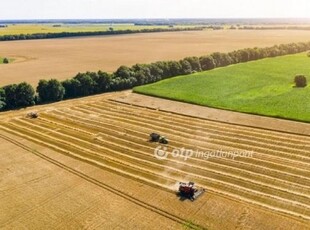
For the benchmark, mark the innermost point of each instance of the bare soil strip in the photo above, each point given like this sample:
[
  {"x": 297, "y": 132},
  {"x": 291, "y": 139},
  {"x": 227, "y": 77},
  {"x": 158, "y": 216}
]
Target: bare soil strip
[{"x": 230, "y": 117}]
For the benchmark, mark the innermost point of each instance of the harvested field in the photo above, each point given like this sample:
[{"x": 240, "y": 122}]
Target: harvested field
[
  {"x": 112, "y": 137},
  {"x": 63, "y": 58},
  {"x": 58, "y": 196},
  {"x": 16, "y": 29}
]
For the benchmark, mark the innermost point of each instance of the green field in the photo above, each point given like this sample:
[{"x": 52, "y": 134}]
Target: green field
[
  {"x": 264, "y": 87},
  {"x": 16, "y": 29}
]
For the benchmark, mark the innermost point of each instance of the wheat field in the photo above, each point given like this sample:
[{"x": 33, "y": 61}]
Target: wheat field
[
  {"x": 113, "y": 137},
  {"x": 64, "y": 58}
]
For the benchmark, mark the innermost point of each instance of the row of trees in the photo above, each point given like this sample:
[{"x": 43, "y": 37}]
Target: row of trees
[
  {"x": 274, "y": 28},
  {"x": 89, "y": 83},
  {"x": 17, "y": 95},
  {"x": 92, "y": 33}
]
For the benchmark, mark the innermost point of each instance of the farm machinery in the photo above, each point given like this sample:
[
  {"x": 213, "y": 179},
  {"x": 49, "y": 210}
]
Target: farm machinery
[
  {"x": 189, "y": 191},
  {"x": 32, "y": 115},
  {"x": 154, "y": 137}
]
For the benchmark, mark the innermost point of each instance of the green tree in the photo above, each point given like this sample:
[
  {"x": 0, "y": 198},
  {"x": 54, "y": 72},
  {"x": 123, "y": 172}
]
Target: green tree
[
  {"x": 10, "y": 96},
  {"x": 42, "y": 90},
  {"x": 6, "y": 61},
  {"x": 2, "y": 99},
  {"x": 164, "y": 68},
  {"x": 87, "y": 84},
  {"x": 195, "y": 63},
  {"x": 300, "y": 81},
  {"x": 207, "y": 62},
  {"x": 156, "y": 72},
  {"x": 142, "y": 73},
  {"x": 123, "y": 72},
  {"x": 25, "y": 95},
  {"x": 72, "y": 87},
  {"x": 186, "y": 67},
  {"x": 175, "y": 68},
  {"x": 51, "y": 90},
  {"x": 20, "y": 95},
  {"x": 103, "y": 82},
  {"x": 221, "y": 59},
  {"x": 243, "y": 55},
  {"x": 57, "y": 91}
]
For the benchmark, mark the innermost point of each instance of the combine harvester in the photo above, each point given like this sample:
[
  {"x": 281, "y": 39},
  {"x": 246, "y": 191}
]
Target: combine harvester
[
  {"x": 189, "y": 191},
  {"x": 154, "y": 137},
  {"x": 32, "y": 115}
]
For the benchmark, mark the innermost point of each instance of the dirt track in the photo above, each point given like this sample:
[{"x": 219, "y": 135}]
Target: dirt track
[
  {"x": 267, "y": 123},
  {"x": 63, "y": 58},
  {"x": 112, "y": 137}
]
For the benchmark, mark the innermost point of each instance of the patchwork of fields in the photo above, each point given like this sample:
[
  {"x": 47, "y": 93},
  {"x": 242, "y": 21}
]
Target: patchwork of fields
[
  {"x": 263, "y": 87},
  {"x": 114, "y": 137},
  {"x": 17, "y": 29},
  {"x": 87, "y": 163}
]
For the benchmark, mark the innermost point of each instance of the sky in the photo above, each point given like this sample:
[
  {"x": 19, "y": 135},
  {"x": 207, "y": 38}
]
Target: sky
[{"x": 111, "y": 9}]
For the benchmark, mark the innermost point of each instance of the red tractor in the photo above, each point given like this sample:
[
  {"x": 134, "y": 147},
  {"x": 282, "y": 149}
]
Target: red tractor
[{"x": 189, "y": 191}]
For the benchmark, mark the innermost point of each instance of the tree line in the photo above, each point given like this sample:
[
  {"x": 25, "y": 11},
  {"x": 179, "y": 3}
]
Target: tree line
[
  {"x": 90, "y": 83},
  {"x": 274, "y": 28},
  {"x": 92, "y": 33}
]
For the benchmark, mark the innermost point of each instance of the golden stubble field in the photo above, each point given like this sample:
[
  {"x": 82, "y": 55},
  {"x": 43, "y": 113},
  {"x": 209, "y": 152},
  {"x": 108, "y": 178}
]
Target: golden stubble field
[
  {"x": 87, "y": 163},
  {"x": 63, "y": 58}
]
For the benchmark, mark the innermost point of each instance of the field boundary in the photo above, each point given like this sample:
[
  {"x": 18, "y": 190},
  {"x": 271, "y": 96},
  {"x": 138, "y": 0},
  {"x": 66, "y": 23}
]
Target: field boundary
[{"x": 213, "y": 114}]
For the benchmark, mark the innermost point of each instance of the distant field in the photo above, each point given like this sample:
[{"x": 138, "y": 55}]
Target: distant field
[
  {"x": 14, "y": 29},
  {"x": 262, "y": 87},
  {"x": 63, "y": 58}
]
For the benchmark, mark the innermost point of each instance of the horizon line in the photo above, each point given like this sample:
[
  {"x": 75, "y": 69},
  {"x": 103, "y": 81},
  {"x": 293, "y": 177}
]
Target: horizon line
[{"x": 155, "y": 18}]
